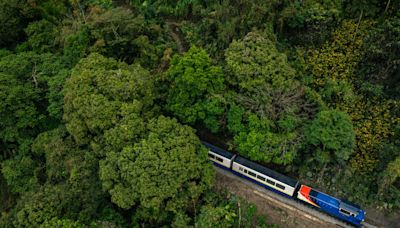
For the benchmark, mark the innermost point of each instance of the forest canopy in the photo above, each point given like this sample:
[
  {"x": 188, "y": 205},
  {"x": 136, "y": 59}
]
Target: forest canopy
[{"x": 102, "y": 104}]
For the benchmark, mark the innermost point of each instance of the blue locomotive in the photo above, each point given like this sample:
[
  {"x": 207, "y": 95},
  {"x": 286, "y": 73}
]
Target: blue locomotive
[{"x": 285, "y": 186}]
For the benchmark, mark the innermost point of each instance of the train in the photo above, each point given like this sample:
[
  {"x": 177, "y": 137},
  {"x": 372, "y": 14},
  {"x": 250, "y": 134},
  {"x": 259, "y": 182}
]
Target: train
[{"x": 285, "y": 186}]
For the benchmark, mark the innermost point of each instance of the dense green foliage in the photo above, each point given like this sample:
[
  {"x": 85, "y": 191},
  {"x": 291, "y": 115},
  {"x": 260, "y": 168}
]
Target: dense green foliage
[
  {"x": 194, "y": 89},
  {"x": 160, "y": 174},
  {"x": 94, "y": 95},
  {"x": 332, "y": 137},
  {"x": 102, "y": 92}
]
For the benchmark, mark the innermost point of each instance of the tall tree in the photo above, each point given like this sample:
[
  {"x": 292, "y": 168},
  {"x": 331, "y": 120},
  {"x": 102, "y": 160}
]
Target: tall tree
[
  {"x": 265, "y": 82},
  {"x": 163, "y": 173},
  {"x": 332, "y": 136},
  {"x": 42, "y": 37},
  {"x": 266, "y": 141},
  {"x": 194, "y": 88},
  {"x": 309, "y": 22},
  {"x": 68, "y": 178},
  {"x": 121, "y": 33},
  {"x": 19, "y": 113},
  {"x": 254, "y": 60},
  {"x": 266, "y": 103},
  {"x": 100, "y": 92},
  {"x": 27, "y": 93}
]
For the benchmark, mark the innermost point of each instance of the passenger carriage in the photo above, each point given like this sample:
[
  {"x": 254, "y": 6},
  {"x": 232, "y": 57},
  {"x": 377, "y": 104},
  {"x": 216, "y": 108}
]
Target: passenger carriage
[
  {"x": 219, "y": 157},
  {"x": 263, "y": 176}
]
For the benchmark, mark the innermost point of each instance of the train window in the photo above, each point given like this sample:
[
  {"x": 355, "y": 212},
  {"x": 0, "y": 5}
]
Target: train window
[
  {"x": 219, "y": 159},
  {"x": 270, "y": 182},
  {"x": 344, "y": 212},
  {"x": 280, "y": 186},
  {"x": 261, "y": 178},
  {"x": 240, "y": 168},
  {"x": 245, "y": 171},
  {"x": 211, "y": 156},
  {"x": 252, "y": 174}
]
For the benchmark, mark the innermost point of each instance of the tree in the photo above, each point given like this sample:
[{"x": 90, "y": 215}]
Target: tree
[
  {"x": 69, "y": 183},
  {"x": 221, "y": 216},
  {"x": 312, "y": 13},
  {"x": 161, "y": 174},
  {"x": 45, "y": 73},
  {"x": 76, "y": 44},
  {"x": 341, "y": 72},
  {"x": 41, "y": 37},
  {"x": 331, "y": 136},
  {"x": 100, "y": 92},
  {"x": 309, "y": 22},
  {"x": 235, "y": 119},
  {"x": 334, "y": 66},
  {"x": 68, "y": 176},
  {"x": 57, "y": 149},
  {"x": 55, "y": 93},
  {"x": 18, "y": 111},
  {"x": 223, "y": 21},
  {"x": 128, "y": 130},
  {"x": 122, "y": 34},
  {"x": 264, "y": 80},
  {"x": 255, "y": 61},
  {"x": 56, "y": 222},
  {"x": 27, "y": 94},
  {"x": 157, "y": 8},
  {"x": 368, "y": 8},
  {"x": 57, "y": 201},
  {"x": 222, "y": 209},
  {"x": 381, "y": 63},
  {"x": 265, "y": 141},
  {"x": 265, "y": 107},
  {"x": 20, "y": 173},
  {"x": 194, "y": 88}
]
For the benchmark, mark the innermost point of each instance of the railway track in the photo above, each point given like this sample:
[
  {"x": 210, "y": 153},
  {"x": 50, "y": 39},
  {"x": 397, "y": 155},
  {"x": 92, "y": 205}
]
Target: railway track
[{"x": 290, "y": 204}]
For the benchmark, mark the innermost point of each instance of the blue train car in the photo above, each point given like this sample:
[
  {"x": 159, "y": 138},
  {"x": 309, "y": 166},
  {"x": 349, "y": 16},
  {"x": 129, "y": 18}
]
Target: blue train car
[{"x": 341, "y": 209}]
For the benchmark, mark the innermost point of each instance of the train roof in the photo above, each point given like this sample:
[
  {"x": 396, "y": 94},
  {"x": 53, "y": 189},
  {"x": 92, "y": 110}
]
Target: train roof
[
  {"x": 335, "y": 202},
  {"x": 218, "y": 150},
  {"x": 325, "y": 198},
  {"x": 268, "y": 172}
]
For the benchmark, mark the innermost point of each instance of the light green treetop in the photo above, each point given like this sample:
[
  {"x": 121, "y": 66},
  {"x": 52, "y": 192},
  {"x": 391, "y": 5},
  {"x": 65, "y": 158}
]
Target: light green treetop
[
  {"x": 161, "y": 173},
  {"x": 194, "y": 89},
  {"x": 99, "y": 93},
  {"x": 332, "y": 135}
]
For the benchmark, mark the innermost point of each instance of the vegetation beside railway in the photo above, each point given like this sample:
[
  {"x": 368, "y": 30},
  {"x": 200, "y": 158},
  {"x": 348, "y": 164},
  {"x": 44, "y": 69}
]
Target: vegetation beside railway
[{"x": 100, "y": 101}]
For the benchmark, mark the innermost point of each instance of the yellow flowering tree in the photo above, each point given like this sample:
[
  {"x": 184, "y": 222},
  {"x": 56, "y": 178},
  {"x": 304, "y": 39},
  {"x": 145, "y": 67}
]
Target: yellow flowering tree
[{"x": 334, "y": 75}]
